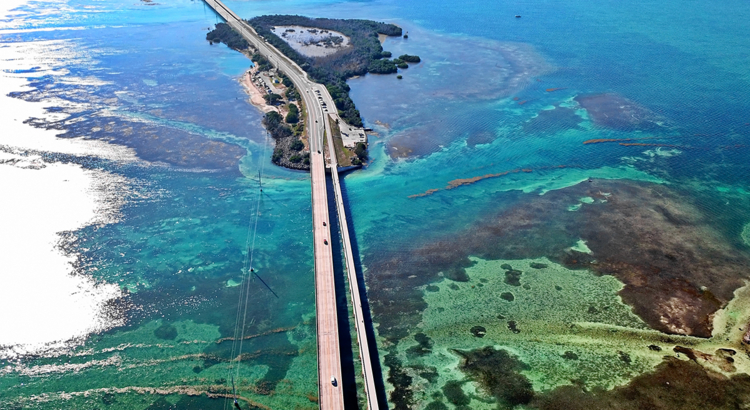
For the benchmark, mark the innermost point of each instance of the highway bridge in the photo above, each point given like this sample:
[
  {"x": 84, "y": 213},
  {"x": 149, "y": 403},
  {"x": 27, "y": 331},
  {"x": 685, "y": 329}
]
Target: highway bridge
[{"x": 329, "y": 356}]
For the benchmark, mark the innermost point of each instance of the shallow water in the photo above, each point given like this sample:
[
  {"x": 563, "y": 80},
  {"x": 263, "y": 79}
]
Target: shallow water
[{"x": 132, "y": 160}]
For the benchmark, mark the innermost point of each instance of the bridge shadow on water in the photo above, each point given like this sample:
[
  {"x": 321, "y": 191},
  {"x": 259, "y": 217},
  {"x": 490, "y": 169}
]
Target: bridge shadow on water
[{"x": 349, "y": 346}]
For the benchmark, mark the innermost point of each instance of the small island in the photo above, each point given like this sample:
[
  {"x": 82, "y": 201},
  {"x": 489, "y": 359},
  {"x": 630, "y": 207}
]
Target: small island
[
  {"x": 362, "y": 54},
  {"x": 331, "y": 51}
]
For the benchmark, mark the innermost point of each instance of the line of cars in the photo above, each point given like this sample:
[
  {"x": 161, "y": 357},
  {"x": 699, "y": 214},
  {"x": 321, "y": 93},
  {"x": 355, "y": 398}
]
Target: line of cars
[{"x": 322, "y": 103}]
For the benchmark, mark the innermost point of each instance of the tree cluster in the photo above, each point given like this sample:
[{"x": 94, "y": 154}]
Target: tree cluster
[
  {"x": 286, "y": 80},
  {"x": 292, "y": 94},
  {"x": 297, "y": 145},
  {"x": 293, "y": 116},
  {"x": 297, "y": 158},
  {"x": 262, "y": 62},
  {"x": 275, "y": 125},
  {"x": 400, "y": 63},
  {"x": 382, "y": 67},
  {"x": 410, "y": 59},
  {"x": 272, "y": 99},
  {"x": 345, "y": 106},
  {"x": 361, "y": 151},
  {"x": 223, "y": 33}
]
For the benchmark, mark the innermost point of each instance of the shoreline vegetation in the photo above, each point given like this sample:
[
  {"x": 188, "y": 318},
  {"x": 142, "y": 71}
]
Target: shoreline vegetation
[
  {"x": 283, "y": 122},
  {"x": 345, "y": 156},
  {"x": 364, "y": 54},
  {"x": 275, "y": 95},
  {"x": 223, "y": 33}
]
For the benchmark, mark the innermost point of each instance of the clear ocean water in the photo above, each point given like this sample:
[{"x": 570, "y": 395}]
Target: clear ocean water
[{"x": 550, "y": 200}]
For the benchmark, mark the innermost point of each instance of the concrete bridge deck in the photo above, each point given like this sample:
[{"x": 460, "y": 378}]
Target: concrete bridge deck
[{"x": 329, "y": 355}]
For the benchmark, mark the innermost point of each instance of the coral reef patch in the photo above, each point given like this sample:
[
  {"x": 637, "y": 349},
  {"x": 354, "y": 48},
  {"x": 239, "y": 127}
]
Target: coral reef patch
[
  {"x": 617, "y": 112},
  {"x": 677, "y": 268},
  {"x": 551, "y": 121},
  {"x": 498, "y": 372},
  {"x": 665, "y": 257},
  {"x": 674, "y": 384}
]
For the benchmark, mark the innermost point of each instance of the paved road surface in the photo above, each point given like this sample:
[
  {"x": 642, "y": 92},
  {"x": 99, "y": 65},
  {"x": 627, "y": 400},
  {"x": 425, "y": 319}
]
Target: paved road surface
[
  {"x": 329, "y": 357},
  {"x": 364, "y": 349}
]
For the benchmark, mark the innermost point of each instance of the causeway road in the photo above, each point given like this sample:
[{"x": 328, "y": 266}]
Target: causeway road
[
  {"x": 317, "y": 99},
  {"x": 330, "y": 392},
  {"x": 359, "y": 318}
]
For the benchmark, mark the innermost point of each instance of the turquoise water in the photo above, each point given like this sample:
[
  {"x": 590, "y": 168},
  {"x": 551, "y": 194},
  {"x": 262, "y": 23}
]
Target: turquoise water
[{"x": 508, "y": 100}]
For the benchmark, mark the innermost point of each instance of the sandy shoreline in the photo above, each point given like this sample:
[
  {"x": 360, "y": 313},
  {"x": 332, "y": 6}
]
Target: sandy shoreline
[
  {"x": 255, "y": 94},
  {"x": 257, "y": 100}
]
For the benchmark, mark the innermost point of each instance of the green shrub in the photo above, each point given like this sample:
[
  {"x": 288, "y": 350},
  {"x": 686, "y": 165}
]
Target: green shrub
[
  {"x": 262, "y": 62},
  {"x": 273, "y": 123},
  {"x": 361, "y": 151},
  {"x": 286, "y": 81},
  {"x": 410, "y": 59},
  {"x": 292, "y": 94},
  {"x": 293, "y": 116},
  {"x": 382, "y": 67},
  {"x": 272, "y": 98},
  {"x": 297, "y": 145}
]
